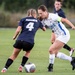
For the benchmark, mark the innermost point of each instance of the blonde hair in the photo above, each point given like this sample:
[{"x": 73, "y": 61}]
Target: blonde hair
[{"x": 31, "y": 12}]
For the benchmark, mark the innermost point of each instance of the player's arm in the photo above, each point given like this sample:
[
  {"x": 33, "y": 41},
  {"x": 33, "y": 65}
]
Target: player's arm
[
  {"x": 17, "y": 32},
  {"x": 68, "y": 22},
  {"x": 65, "y": 20},
  {"x": 42, "y": 26},
  {"x": 39, "y": 18}
]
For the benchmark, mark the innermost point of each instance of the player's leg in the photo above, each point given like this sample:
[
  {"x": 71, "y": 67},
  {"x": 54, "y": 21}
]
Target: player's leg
[
  {"x": 24, "y": 60},
  {"x": 11, "y": 59},
  {"x": 71, "y": 50},
  {"x": 52, "y": 37},
  {"x": 54, "y": 48},
  {"x": 66, "y": 57},
  {"x": 26, "y": 47},
  {"x": 54, "y": 51}
]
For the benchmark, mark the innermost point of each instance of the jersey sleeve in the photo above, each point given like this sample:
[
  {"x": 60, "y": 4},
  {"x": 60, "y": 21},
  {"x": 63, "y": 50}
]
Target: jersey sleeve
[
  {"x": 21, "y": 22},
  {"x": 41, "y": 25},
  {"x": 56, "y": 17},
  {"x": 62, "y": 14}
]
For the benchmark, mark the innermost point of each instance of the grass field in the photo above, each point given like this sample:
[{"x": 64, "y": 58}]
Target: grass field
[{"x": 39, "y": 54}]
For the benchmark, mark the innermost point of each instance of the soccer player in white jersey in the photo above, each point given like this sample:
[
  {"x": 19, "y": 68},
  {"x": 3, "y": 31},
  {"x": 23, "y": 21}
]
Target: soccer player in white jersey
[
  {"x": 58, "y": 10},
  {"x": 54, "y": 22}
]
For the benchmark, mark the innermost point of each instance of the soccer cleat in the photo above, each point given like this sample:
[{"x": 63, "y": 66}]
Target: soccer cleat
[
  {"x": 71, "y": 52},
  {"x": 73, "y": 63},
  {"x": 50, "y": 68},
  {"x": 20, "y": 69},
  {"x": 3, "y": 70}
]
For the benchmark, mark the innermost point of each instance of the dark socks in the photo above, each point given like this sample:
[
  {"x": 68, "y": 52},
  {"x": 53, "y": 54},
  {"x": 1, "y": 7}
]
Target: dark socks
[
  {"x": 67, "y": 47},
  {"x": 8, "y": 63},
  {"x": 24, "y": 60}
]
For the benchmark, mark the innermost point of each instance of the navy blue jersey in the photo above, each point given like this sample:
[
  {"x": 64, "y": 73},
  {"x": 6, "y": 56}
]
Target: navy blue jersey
[
  {"x": 60, "y": 13},
  {"x": 29, "y": 27}
]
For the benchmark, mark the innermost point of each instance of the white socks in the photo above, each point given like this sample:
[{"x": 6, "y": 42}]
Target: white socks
[
  {"x": 51, "y": 58},
  {"x": 64, "y": 56},
  {"x": 59, "y": 55}
]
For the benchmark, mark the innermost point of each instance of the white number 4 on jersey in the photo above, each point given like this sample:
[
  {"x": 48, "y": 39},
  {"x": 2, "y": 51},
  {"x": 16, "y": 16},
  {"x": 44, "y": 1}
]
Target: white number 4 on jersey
[{"x": 30, "y": 26}]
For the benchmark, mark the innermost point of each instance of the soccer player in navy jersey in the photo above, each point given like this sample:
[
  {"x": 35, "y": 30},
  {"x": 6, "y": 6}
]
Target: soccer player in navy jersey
[
  {"x": 60, "y": 12},
  {"x": 27, "y": 28}
]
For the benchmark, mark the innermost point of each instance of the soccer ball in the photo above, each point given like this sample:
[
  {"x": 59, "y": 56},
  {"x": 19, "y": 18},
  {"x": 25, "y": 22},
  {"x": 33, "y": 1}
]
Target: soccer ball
[{"x": 30, "y": 67}]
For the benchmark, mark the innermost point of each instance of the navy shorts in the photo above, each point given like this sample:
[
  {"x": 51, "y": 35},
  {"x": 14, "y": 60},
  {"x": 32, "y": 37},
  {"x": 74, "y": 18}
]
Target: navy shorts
[{"x": 26, "y": 46}]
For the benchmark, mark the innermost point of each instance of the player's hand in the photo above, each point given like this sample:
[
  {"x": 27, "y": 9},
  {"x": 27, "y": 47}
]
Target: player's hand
[
  {"x": 73, "y": 27},
  {"x": 14, "y": 37},
  {"x": 39, "y": 18}
]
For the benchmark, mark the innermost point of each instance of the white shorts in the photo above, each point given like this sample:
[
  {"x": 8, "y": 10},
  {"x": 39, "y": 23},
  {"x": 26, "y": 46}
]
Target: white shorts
[{"x": 64, "y": 38}]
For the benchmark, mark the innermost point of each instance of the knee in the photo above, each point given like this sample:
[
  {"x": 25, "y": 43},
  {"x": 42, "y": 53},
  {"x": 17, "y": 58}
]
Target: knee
[{"x": 51, "y": 51}]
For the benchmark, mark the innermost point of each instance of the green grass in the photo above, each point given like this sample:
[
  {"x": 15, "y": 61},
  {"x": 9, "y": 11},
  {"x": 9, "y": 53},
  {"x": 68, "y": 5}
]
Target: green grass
[{"x": 39, "y": 54}]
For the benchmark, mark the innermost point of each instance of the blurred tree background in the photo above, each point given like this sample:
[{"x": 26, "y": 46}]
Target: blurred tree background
[{"x": 12, "y": 10}]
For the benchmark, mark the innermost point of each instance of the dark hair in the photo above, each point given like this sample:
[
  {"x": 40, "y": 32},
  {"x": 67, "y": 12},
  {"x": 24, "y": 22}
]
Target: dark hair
[
  {"x": 61, "y": 1},
  {"x": 43, "y": 8}
]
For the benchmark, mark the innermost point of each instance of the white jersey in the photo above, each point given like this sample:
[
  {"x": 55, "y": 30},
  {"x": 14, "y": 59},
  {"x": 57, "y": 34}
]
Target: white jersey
[{"x": 53, "y": 22}]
